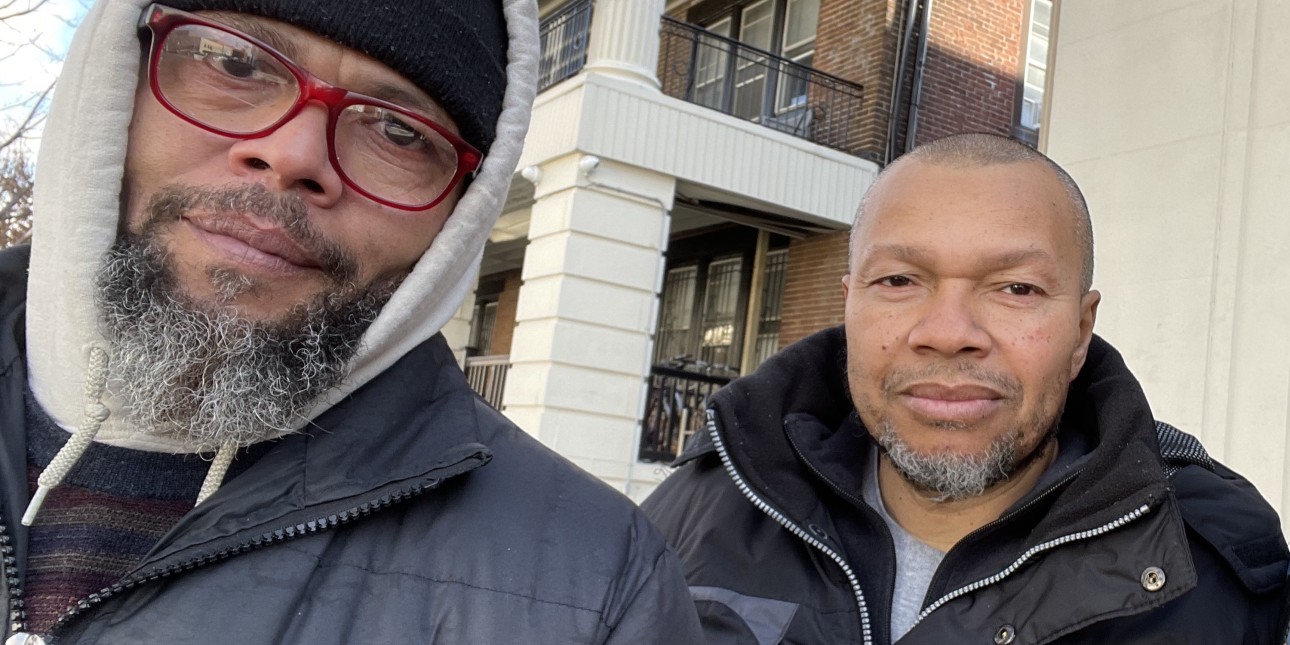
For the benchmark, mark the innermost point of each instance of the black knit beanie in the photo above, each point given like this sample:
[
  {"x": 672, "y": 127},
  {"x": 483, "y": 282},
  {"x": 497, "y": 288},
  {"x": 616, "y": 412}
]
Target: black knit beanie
[{"x": 455, "y": 50}]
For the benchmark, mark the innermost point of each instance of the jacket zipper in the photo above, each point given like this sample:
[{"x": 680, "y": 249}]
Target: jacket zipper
[
  {"x": 847, "y": 495},
  {"x": 18, "y": 624},
  {"x": 13, "y": 586},
  {"x": 793, "y": 528},
  {"x": 1032, "y": 552},
  {"x": 1008, "y": 571}
]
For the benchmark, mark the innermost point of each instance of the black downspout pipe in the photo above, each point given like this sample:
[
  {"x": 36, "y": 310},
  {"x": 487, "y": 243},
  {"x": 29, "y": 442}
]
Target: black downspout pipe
[
  {"x": 912, "y": 133},
  {"x": 898, "y": 82}
]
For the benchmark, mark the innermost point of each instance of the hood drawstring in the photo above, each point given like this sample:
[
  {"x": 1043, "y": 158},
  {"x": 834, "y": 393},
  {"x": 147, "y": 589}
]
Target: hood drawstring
[
  {"x": 219, "y": 468},
  {"x": 95, "y": 414}
]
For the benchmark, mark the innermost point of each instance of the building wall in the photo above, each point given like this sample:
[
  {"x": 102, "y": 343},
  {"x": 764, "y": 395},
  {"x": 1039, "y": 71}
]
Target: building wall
[
  {"x": 504, "y": 327},
  {"x": 813, "y": 286},
  {"x": 856, "y": 41},
  {"x": 1175, "y": 119},
  {"x": 973, "y": 63}
]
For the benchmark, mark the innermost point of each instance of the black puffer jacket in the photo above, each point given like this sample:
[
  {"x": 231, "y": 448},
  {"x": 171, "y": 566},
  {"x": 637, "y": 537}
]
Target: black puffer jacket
[
  {"x": 1124, "y": 546},
  {"x": 413, "y": 513}
]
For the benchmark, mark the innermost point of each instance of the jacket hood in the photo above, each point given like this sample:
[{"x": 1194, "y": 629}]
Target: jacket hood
[
  {"x": 77, "y": 211},
  {"x": 809, "y": 378}
]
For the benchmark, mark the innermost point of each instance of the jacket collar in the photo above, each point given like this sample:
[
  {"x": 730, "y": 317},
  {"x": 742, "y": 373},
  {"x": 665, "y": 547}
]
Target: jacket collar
[
  {"x": 1122, "y": 471},
  {"x": 13, "y": 379},
  {"x": 409, "y": 428}
]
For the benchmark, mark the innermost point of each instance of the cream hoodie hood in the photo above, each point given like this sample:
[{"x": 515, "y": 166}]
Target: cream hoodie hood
[{"x": 77, "y": 209}]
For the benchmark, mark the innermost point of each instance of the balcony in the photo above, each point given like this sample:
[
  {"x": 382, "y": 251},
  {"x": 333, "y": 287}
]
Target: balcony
[
  {"x": 676, "y": 406},
  {"x": 563, "y": 36},
  {"x": 721, "y": 73},
  {"x": 487, "y": 376},
  {"x": 703, "y": 68}
]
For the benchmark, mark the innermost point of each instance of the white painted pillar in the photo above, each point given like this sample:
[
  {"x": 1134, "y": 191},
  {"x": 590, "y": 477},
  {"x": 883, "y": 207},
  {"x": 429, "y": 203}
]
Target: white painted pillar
[
  {"x": 587, "y": 310},
  {"x": 625, "y": 40}
]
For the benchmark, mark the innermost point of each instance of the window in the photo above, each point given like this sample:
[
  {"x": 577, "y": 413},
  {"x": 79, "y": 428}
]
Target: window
[
  {"x": 772, "y": 300},
  {"x": 713, "y": 57},
  {"x": 482, "y": 323},
  {"x": 721, "y": 311},
  {"x": 721, "y": 280},
  {"x": 704, "y": 306},
  {"x": 797, "y": 45},
  {"x": 1036, "y": 70},
  {"x": 746, "y": 82},
  {"x": 755, "y": 29},
  {"x": 676, "y": 313}
]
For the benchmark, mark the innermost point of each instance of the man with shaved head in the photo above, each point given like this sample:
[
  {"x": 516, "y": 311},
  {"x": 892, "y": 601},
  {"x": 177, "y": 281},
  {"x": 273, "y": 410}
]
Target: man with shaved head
[{"x": 964, "y": 461}]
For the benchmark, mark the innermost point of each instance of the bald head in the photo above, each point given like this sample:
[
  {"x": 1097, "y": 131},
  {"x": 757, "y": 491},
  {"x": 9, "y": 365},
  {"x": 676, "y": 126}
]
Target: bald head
[{"x": 980, "y": 149}]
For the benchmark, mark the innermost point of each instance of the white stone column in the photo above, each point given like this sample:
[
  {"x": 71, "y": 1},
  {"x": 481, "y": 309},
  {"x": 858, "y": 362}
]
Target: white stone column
[
  {"x": 624, "y": 39},
  {"x": 587, "y": 310}
]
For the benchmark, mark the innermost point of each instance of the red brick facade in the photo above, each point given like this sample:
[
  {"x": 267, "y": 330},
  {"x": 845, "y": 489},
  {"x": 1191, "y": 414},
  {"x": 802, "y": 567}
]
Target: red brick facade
[
  {"x": 813, "y": 286},
  {"x": 973, "y": 67},
  {"x": 856, "y": 41},
  {"x": 504, "y": 324}
]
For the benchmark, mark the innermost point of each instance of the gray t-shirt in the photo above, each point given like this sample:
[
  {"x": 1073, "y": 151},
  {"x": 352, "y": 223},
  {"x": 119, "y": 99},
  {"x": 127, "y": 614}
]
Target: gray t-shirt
[{"x": 916, "y": 562}]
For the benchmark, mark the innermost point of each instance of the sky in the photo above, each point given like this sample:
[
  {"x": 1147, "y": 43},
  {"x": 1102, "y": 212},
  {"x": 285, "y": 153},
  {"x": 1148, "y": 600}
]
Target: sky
[{"x": 31, "y": 48}]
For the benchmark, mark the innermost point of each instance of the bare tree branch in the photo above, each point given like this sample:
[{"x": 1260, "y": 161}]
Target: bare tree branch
[
  {"x": 24, "y": 37},
  {"x": 7, "y": 11},
  {"x": 34, "y": 117}
]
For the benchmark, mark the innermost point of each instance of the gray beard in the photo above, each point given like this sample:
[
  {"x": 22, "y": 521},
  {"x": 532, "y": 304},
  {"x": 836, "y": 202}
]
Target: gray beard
[
  {"x": 195, "y": 371},
  {"x": 949, "y": 477}
]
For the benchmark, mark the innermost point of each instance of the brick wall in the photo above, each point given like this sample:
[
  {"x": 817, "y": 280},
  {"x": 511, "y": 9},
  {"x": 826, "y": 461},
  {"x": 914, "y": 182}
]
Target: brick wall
[
  {"x": 504, "y": 325},
  {"x": 813, "y": 286},
  {"x": 675, "y": 56},
  {"x": 856, "y": 40},
  {"x": 973, "y": 66}
]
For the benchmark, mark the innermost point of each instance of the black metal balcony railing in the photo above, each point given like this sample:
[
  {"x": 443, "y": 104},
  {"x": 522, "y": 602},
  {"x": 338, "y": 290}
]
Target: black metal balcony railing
[
  {"x": 564, "y": 36},
  {"x": 675, "y": 407},
  {"x": 714, "y": 71},
  {"x": 487, "y": 376}
]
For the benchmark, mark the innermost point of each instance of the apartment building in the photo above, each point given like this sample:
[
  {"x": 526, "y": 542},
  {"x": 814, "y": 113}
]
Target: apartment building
[{"x": 681, "y": 207}]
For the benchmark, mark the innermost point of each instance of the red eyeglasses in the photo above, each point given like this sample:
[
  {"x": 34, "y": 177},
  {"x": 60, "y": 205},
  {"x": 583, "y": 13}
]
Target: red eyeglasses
[{"x": 229, "y": 83}]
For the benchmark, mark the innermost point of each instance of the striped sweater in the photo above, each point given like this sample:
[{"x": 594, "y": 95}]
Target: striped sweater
[{"x": 96, "y": 527}]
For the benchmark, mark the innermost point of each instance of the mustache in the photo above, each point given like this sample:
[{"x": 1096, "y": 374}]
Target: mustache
[
  {"x": 287, "y": 211},
  {"x": 899, "y": 379}
]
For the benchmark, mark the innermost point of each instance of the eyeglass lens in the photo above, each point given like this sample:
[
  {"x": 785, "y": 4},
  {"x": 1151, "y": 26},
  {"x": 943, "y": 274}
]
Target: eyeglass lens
[{"x": 231, "y": 85}]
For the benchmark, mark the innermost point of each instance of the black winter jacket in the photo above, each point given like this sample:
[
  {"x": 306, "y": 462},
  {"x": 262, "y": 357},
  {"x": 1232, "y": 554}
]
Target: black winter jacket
[
  {"x": 411, "y": 513},
  {"x": 1124, "y": 547}
]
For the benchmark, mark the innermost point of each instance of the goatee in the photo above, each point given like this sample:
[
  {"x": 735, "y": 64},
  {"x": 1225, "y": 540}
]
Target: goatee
[
  {"x": 951, "y": 477},
  {"x": 198, "y": 372},
  {"x": 948, "y": 476}
]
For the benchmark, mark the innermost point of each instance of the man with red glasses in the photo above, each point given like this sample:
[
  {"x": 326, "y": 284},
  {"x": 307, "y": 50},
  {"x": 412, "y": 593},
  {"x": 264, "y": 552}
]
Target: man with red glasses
[{"x": 229, "y": 416}]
